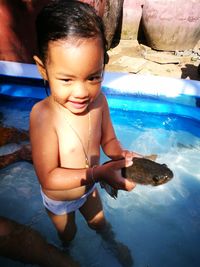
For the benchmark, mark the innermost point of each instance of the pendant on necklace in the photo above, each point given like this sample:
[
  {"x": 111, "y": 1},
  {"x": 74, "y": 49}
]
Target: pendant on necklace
[{"x": 87, "y": 165}]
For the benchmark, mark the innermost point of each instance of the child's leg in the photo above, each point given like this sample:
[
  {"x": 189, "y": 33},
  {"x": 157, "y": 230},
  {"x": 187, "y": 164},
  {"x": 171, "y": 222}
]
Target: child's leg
[
  {"x": 65, "y": 225},
  {"x": 92, "y": 210}
]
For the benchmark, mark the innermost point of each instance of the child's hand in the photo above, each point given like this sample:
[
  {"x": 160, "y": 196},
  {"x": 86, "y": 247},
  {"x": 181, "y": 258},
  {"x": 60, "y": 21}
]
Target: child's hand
[
  {"x": 130, "y": 154},
  {"x": 111, "y": 173}
]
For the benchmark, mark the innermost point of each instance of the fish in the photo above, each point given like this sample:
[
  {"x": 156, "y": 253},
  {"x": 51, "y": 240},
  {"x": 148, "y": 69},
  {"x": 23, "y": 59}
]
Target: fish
[{"x": 143, "y": 171}]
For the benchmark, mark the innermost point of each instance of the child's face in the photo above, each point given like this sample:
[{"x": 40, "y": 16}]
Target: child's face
[{"x": 74, "y": 70}]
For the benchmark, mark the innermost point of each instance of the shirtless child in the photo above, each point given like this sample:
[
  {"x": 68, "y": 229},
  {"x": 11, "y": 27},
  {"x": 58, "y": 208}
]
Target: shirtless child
[{"x": 68, "y": 128}]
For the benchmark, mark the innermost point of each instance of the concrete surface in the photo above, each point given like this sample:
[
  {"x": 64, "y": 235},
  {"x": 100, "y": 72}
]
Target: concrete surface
[{"x": 130, "y": 56}]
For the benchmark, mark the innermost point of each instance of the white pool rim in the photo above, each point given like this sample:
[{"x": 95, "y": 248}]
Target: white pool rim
[{"x": 118, "y": 81}]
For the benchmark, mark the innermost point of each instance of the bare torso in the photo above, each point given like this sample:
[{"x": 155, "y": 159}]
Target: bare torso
[{"x": 76, "y": 134}]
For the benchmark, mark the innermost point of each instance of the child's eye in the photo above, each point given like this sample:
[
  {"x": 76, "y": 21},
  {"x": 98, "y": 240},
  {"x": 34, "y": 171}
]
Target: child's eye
[
  {"x": 97, "y": 78},
  {"x": 66, "y": 80}
]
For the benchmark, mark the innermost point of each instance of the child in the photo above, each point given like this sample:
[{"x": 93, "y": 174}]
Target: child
[{"x": 68, "y": 127}]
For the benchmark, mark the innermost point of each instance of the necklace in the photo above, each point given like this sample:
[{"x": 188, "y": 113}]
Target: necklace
[{"x": 85, "y": 151}]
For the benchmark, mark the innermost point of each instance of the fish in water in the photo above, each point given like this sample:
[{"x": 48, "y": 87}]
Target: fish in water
[{"x": 143, "y": 171}]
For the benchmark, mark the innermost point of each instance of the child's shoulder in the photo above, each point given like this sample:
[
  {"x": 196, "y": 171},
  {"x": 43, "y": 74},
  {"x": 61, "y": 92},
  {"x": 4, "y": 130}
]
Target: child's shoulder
[
  {"x": 41, "y": 108},
  {"x": 101, "y": 99},
  {"x": 101, "y": 103},
  {"x": 42, "y": 104}
]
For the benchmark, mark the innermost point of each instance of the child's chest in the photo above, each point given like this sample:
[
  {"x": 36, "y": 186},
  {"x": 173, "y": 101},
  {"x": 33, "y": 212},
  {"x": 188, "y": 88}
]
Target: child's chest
[{"x": 79, "y": 139}]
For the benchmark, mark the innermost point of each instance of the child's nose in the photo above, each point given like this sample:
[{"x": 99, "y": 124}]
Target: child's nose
[{"x": 80, "y": 90}]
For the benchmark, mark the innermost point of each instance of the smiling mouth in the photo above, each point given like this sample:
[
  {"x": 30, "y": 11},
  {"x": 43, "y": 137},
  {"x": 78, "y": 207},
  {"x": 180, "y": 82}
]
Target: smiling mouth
[{"x": 79, "y": 105}]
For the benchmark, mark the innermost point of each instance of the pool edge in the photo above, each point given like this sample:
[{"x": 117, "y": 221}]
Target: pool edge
[{"x": 120, "y": 82}]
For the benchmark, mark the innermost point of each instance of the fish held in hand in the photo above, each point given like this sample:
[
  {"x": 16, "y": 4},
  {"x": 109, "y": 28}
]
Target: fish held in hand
[
  {"x": 147, "y": 172},
  {"x": 143, "y": 171}
]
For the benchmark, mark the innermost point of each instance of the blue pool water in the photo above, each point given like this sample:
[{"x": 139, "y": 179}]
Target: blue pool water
[{"x": 161, "y": 226}]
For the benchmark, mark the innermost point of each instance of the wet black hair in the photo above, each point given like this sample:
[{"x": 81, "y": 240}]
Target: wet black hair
[{"x": 61, "y": 19}]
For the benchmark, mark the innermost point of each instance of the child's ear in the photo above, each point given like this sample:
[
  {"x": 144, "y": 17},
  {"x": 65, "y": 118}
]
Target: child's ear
[{"x": 41, "y": 67}]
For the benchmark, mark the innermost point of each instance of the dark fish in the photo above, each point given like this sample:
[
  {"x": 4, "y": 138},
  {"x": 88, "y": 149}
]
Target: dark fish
[
  {"x": 148, "y": 172},
  {"x": 143, "y": 171}
]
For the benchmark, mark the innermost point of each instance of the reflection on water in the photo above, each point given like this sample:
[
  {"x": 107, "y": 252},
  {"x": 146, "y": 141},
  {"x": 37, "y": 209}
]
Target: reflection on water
[{"x": 160, "y": 225}]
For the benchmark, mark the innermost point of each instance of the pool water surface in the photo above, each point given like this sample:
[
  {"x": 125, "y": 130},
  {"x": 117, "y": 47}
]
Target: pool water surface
[{"x": 160, "y": 225}]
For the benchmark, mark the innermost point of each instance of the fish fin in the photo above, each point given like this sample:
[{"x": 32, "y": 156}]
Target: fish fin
[
  {"x": 151, "y": 157},
  {"x": 109, "y": 189}
]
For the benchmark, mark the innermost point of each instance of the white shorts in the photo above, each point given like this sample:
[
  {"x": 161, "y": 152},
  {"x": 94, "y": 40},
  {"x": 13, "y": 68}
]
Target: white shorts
[{"x": 59, "y": 207}]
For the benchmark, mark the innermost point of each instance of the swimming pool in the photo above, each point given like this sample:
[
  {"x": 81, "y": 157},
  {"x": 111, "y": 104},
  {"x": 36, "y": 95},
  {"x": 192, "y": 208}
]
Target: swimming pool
[{"x": 161, "y": 226}]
